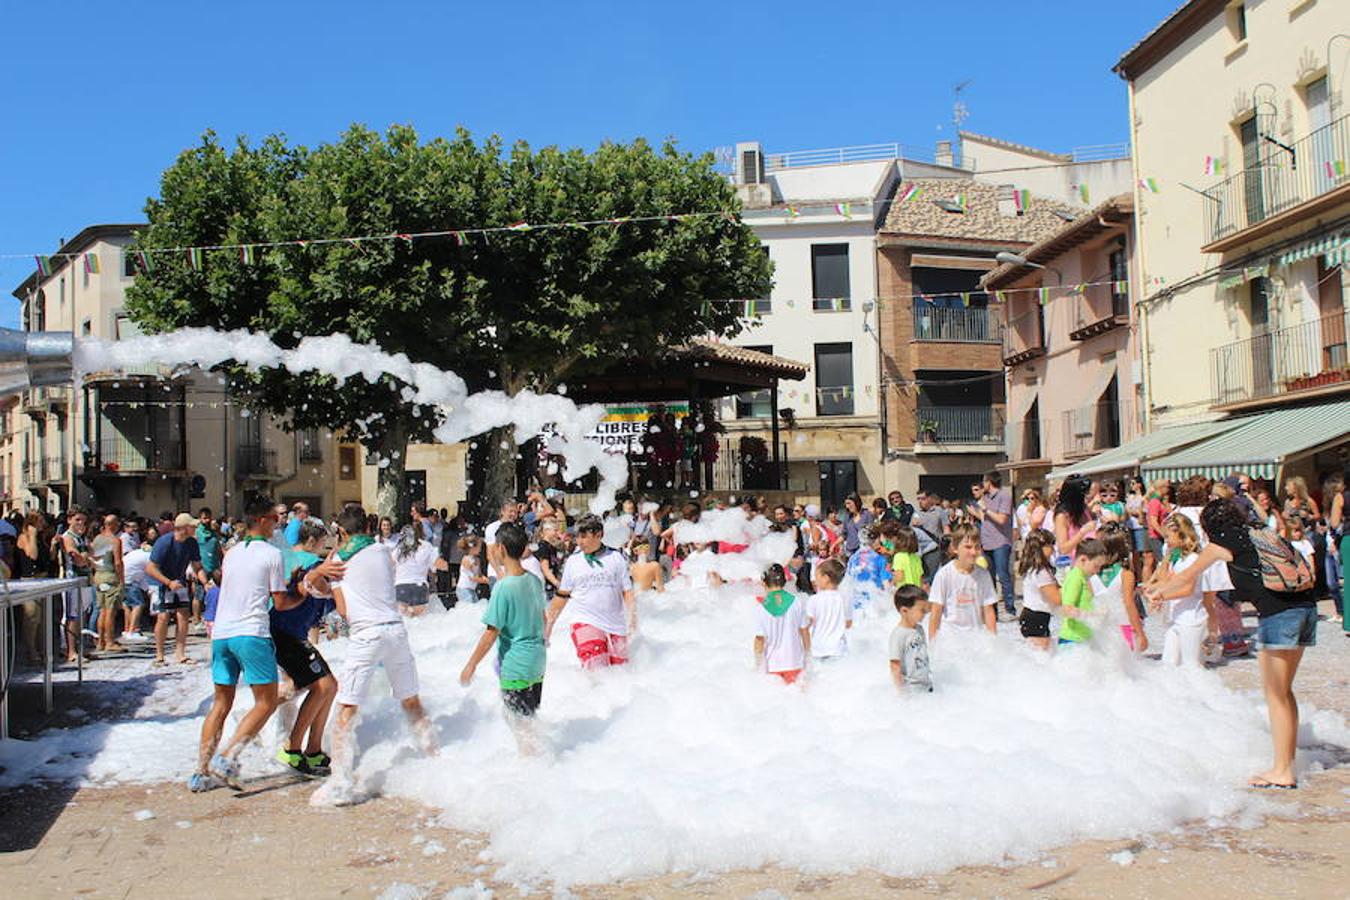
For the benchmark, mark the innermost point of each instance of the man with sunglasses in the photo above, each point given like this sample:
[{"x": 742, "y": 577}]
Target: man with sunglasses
[{"x": 596, "y": 581}]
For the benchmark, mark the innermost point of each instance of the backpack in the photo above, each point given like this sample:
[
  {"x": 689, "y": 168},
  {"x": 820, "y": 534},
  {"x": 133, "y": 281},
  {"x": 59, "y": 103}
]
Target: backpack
[{"x": 1283, "y": 568}]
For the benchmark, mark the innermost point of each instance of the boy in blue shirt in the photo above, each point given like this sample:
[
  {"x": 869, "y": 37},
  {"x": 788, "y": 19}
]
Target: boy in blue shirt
[{"x": 514, "y": 621}]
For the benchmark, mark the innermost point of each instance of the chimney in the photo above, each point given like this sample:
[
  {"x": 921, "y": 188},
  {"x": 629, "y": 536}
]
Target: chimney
[
  {"x": 751, "y": 182},
  {"x": 943, "y": 156},
  {"x": 1007, "y": 205}
]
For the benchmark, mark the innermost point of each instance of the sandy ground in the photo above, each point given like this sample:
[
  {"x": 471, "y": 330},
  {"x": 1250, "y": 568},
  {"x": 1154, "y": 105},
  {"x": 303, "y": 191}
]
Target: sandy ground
[{"x": 160, "y": 841}]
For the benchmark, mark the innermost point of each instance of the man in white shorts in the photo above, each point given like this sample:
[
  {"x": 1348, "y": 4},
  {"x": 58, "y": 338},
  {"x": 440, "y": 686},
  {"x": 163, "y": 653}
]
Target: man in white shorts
[
  {"x": 596, "y": 581},
  {"x": 366, "y": 598}
]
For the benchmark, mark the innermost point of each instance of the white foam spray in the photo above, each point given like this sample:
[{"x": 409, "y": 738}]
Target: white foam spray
[{"x": 465, "y": 414}]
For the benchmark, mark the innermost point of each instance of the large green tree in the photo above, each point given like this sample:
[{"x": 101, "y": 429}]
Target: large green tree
[{"x": 512, "y": 311}]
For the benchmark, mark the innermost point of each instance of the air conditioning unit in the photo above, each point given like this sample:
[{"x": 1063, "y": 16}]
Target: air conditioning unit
[{"x": 749, "y": 163}]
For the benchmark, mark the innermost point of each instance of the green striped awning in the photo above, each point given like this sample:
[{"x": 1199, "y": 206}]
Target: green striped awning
[
  {"x": 1129, "y": 456},
  {"x": 1328, "y": 245},
  {"x": 1259, "y": 445}
]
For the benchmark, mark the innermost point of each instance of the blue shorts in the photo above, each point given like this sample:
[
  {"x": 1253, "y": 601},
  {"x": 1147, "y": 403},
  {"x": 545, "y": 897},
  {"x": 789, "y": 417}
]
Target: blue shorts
[
  {"x": 134, "y": 597},
  {"x": 1288, "y": 629},
  {"x": 253, "y": 657}
]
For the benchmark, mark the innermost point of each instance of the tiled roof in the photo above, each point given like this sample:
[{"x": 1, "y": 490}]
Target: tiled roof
[
  {"x": 1066, "y": 237},
  {"x": 716, "y": 351},
  {"x": 981, "y": 220}
]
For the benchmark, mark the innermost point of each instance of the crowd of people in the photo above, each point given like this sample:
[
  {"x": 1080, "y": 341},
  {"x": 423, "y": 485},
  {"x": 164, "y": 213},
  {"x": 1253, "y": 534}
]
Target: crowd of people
[{"x": 1090, "y": 562}]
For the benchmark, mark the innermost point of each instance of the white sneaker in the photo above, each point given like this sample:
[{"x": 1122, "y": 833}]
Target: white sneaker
[{"x": 133, "y": 637}]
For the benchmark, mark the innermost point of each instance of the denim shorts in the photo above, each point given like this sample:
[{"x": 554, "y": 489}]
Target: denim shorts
[
  {"x": 135, "y": 597},
  {"x": 1288, "y": 629}
]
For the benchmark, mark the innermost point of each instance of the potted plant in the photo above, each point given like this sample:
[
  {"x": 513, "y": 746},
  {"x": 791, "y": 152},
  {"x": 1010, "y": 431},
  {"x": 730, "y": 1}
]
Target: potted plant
[{"x": 928, "y": 431}]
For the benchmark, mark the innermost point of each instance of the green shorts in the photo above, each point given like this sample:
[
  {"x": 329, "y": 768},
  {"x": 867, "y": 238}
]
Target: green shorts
[{"x": 108, "y": 590}]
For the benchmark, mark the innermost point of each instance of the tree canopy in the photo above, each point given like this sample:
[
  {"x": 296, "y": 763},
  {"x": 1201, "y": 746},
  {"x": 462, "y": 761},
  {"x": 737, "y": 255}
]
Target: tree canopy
[{"x": 516, "y": 310}]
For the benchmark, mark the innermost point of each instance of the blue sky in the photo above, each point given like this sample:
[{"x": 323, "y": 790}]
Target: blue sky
[{"x": 98, "y": 100}]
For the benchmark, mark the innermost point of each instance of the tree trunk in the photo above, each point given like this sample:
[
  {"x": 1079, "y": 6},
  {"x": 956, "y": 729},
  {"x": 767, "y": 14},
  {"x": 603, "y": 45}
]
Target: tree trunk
[
  {"x": 501, "y": 471},
  {"x": 391, "y": 488}
]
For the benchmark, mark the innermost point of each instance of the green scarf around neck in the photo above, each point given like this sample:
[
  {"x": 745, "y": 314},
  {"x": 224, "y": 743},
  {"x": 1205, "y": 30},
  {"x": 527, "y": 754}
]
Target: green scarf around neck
[
  {"x": 355, "y": 544},
  {"x": 778, "y": 602}
]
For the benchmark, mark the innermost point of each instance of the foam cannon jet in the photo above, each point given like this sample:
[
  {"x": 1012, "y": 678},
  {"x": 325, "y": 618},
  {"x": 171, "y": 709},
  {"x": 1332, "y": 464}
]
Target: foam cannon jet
[{"x": 34, "y": 359}]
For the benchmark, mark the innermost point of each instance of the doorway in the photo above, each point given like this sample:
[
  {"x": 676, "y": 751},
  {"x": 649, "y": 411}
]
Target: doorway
[{"x": 838, "y": 479}]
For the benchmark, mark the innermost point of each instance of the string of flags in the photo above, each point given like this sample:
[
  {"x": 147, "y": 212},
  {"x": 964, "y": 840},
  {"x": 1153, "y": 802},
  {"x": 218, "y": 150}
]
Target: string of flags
[{"x": 1213, "y": 165}]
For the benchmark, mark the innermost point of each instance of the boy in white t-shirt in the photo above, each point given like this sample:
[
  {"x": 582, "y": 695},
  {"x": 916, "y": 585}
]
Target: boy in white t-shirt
[
  {"x": 782, "y": 639},
  {"x": 962, "y": 595},
  {"x": 829, "y": 614},
  {"x": 363, "y": 587},
  {"x": 241, "y": 646},
  {"x": 596, "y": 582}
]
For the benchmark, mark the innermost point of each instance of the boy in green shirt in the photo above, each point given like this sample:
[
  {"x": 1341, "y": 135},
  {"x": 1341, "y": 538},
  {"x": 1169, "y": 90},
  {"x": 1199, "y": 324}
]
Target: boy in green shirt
[
  {"x": 514, "y": 621},
  {"x": 1077, "y": 591}
]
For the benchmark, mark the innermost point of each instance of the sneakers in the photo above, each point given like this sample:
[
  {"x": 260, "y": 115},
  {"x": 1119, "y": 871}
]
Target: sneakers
[
  {"x": 293, "y": 759},
  {"x": 133, "y": 637},
  {"x": 227, "y": 770},
  {"x": 200, "y": 783},
  {"x": 319, "y": 763}
]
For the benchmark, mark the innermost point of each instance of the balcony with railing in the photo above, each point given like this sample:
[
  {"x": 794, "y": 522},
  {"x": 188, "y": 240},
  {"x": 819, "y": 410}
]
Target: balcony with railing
[
  {"x": 967, "y": 426},
  {"x": 1301, "y": 358},
  {"x": 253, "y": 461},
  {"x": 957, "y": 325},
  {"x": 1023, "y": 337},
  {"x": 44, "y": 470},
  {"x": 120, "y": 456},
  {"x": 1309, "y": 169},
  {"x": 1099, "y": 309},
  {"x": 43, "y": 400},
  {"x": 130, "y": 375},
  {"x": 1091, "y": 429}
]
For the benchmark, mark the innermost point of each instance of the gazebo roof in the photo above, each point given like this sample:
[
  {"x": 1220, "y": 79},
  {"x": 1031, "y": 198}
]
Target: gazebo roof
[{"x": 702, "y": 369}]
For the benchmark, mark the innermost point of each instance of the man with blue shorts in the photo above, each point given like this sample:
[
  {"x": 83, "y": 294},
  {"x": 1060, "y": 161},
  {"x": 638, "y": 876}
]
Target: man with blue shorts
[{"x": 252, "y": 575}]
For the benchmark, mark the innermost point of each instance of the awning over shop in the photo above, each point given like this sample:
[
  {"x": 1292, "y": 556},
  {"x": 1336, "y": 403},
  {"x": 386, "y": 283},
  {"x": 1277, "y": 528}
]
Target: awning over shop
[
  {"x": 1128, "y": 456},
  {"x": 1259, "y": 445},
  {"x": 1328, "y": 245}
]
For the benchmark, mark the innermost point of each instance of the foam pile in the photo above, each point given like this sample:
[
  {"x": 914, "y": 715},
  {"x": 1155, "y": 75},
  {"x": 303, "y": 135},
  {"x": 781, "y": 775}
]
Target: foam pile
[{"x": 690, "y": 760}]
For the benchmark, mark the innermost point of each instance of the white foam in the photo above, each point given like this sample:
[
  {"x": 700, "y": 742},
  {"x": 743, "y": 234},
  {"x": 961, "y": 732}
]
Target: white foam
[
  {"x": 691, "y": 761},
  {"x": 463, "y": 414}
]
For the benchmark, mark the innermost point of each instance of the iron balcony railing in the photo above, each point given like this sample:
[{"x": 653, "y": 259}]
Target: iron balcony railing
[
  {"x": 1023, "y": 337},
  {"x": 1297, "y": 358},
  {"x": 774, "y": 162},
  {"x": 957, "y": 325},
  {"x": 1091, "y": 428},
  {"x": 1309, "y": 168},
  {"x": 959, "y": 425},
  {"x": 1100, "y": 152},
  {"x": 1100, "y": 308},
  {"x": 53, "y": 469},
  {"x": 123, "y": 455},
  {"x": 251, "y": 459}
]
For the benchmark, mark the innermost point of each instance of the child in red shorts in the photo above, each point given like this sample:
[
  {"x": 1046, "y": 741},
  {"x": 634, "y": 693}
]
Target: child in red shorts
[{"x": 782, "y": 638}]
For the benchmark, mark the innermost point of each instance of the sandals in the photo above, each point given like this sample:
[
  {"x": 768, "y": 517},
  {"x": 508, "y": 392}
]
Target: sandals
[
  {"x": 1265, "y": 784},
  {"x": 185, "y": 661}
]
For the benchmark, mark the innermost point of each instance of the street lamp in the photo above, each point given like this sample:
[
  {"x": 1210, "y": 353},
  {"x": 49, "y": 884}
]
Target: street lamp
[{"x": 1013, "y": 259}]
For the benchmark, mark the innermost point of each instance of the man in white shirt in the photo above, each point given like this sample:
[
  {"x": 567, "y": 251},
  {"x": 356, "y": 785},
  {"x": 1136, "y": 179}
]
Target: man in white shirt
[
  {"x": 361, "y": 578},
  {"x": 252, "y": 575},
  {"x": 596, "y": 581},
  {"x": 510, "y": 511}
]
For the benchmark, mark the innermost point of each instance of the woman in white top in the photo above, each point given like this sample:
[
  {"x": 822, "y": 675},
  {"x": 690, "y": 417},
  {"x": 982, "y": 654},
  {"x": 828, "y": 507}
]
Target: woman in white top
[{"x": 414, "y": 560}]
